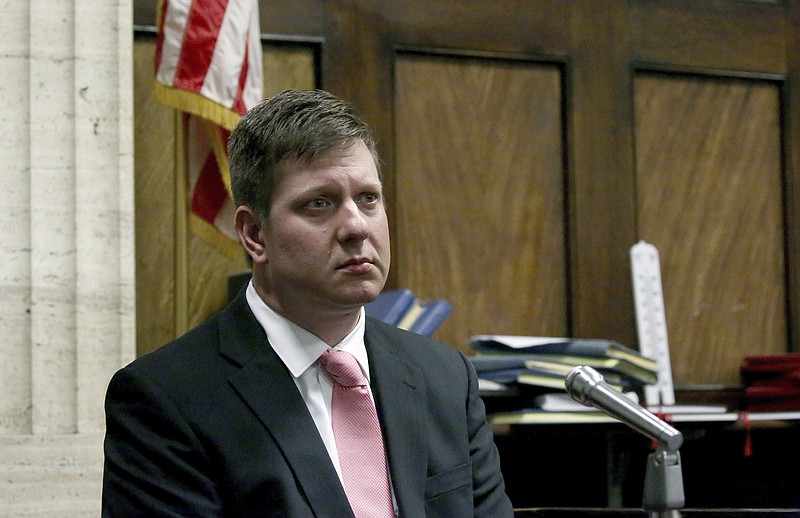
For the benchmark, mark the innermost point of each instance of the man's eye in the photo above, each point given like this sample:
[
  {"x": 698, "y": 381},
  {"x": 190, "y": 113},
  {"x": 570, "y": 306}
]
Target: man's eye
[
  {"x": 318, "y": 203},
  {"x": 369, "y": 198}
]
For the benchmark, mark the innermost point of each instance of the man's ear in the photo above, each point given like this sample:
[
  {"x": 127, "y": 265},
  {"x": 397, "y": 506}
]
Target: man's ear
[{"x": 248, "y": 226}]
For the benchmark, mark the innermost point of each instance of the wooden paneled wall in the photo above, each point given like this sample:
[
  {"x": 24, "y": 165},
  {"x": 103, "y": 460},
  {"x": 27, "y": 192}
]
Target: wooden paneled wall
[
  {"x": 529, "y": 145},
  {"x": 473, "y": 242},
  {"x": 154, "y": 168},
  {"x": 709, "y": 196}
]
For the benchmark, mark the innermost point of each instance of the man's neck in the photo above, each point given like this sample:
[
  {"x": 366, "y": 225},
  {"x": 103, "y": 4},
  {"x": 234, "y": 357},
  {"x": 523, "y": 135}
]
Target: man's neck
[
  {"x": 329, "y": 326},
  {"x": 330, "y": 330}
]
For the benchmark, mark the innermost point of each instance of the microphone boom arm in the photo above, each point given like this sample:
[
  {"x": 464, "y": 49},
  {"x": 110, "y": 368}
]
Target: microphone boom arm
[{"x": 588, "y": 387}]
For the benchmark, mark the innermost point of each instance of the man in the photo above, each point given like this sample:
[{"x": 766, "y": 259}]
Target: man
[{"x": 239, "y": 416}]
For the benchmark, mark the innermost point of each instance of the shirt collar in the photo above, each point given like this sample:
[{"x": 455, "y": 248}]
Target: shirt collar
[{"x": 298, "y": 348}]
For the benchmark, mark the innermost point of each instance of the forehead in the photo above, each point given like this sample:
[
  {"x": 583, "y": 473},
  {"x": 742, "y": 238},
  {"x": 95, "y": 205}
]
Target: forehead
[{"x": 351, "y": 163}]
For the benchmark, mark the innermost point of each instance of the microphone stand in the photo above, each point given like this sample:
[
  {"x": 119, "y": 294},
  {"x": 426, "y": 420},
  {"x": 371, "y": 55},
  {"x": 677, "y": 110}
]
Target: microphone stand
[{"x": 663, "y": 484}]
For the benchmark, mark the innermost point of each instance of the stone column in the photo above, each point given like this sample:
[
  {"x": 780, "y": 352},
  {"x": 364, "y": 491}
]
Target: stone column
[{"x": 66, "y": 261}]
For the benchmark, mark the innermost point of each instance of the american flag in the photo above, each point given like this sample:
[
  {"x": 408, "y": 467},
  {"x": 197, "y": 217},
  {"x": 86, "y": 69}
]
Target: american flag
[{"x": 208, "y": 66}]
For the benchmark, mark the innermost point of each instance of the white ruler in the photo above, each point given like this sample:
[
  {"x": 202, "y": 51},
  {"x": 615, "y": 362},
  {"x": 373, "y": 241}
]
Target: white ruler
[{"x": 651, "y": 321}]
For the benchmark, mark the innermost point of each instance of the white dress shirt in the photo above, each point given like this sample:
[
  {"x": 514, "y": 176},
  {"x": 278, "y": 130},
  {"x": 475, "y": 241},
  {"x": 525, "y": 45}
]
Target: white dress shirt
[{"x": 299, "y": 351}]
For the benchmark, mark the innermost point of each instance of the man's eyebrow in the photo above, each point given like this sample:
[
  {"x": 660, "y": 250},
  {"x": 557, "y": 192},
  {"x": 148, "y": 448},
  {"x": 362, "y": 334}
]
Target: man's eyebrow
[
  {"x": 373, "y": 184},
  {"x": 311, "y": 190}
]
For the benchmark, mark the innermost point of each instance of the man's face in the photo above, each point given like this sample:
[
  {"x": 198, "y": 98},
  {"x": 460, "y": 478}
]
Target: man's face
[{"x": 327, "y": 235}]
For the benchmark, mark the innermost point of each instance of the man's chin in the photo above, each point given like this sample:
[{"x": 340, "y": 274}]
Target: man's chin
[{"x": 363, "y": 294}]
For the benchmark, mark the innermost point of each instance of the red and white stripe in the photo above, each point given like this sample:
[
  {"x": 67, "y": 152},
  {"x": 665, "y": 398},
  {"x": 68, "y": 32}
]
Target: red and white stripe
[
  {"x": 211, "y": 48},
  {"x": 208, "y": 196}
]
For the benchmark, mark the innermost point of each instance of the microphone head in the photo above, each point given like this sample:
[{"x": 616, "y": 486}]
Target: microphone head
[
  {"x": 587, "y": 386},
  {"x": 580, "y": 381}
]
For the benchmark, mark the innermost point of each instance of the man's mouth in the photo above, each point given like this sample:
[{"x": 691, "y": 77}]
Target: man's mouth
[{"x": 358, "y": 265}]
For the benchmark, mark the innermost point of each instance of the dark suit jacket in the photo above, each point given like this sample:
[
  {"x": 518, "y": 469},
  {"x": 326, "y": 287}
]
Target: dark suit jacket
[{"x": 213, "y": 425}]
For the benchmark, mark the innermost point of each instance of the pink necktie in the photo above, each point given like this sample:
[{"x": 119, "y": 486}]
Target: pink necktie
[{"x": 358, "y": 438}]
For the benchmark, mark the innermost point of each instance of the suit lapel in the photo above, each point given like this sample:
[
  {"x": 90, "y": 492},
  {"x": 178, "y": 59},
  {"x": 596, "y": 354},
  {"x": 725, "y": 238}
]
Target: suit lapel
[
  {"x": 269, "y": 392},
  {"x": 399, "y": 391}
]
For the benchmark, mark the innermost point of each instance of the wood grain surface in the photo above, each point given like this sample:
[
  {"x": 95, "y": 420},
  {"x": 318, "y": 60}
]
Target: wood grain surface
[{"x": 710, "y": 197}]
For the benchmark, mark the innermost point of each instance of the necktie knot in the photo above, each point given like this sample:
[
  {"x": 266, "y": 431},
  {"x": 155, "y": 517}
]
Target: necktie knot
[{"x": 343, "y": 368}]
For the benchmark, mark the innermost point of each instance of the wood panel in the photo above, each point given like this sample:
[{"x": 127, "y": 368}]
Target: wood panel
[
  {"x": 285, "y": 66},
  {"x": 710, "y": 197},
  {"x": 154, "y": 163},
  {"x": 791, "y": 148},
  {"x": 716, "y": 35},
  {"x": 601, "y": 187},
  {"x": 495, "y": 245}
]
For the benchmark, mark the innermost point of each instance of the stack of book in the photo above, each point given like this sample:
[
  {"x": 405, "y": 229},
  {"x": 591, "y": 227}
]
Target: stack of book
[
  {"x": 771, "y": 382},
  {"x": 403, "y": 309},
  {"x": 522, "y": 377}
]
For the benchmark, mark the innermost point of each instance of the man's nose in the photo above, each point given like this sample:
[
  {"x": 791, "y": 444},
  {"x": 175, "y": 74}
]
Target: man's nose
[{"x": 353, "y": 222}]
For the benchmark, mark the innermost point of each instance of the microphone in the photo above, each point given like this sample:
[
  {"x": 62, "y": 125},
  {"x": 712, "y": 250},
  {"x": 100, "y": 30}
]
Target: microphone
[{"x": 586, "y": 386}]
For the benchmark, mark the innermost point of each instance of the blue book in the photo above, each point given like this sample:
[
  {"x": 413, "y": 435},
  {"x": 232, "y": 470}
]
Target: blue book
[
  {"x": 432, "y": 315},
  {"x": 489, "y": 366},
  {"x": 572, "y": 347},
  {"x": 390, "y": 306},
  {"x": 535, "y": 377}
]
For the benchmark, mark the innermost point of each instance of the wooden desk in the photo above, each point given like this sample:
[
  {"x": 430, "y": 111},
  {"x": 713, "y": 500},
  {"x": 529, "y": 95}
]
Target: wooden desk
[{"x": 601, "y": 465}]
